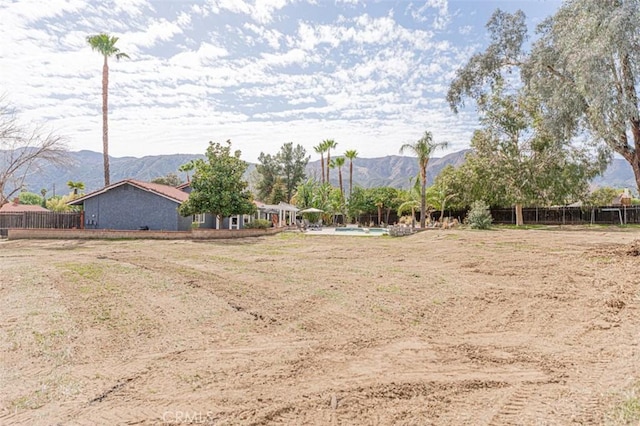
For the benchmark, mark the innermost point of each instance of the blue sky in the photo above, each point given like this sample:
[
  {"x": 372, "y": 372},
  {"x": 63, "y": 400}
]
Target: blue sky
[{"x": 372, "y": 75}]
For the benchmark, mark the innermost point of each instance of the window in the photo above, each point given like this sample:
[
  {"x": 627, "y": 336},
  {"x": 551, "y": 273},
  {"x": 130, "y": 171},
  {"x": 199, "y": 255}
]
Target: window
[{"x": 198, "y": 218}]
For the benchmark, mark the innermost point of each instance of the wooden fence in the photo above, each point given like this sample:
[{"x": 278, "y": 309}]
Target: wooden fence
[{"x": 40, "y": 220}]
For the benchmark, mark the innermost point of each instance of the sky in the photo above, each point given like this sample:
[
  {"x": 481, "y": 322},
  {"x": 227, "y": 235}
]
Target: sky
[{"x": 371, "y": 75}]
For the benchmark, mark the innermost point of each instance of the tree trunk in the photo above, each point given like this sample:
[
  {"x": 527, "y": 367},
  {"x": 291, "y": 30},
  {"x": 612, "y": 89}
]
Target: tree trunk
[
  {"x": 519, "y": 218},
  {"x": 423, "y": 199},
  {"x": 322, "y": 165},
  {"x": 340, "y": 180},
  {"x": 413, "y": 218},
  {"x": 105, "y": 123},
  {"x": 350, "y": 177},
  {"x": 632, "y": 156},
  {"x": 328, "y": 168}
]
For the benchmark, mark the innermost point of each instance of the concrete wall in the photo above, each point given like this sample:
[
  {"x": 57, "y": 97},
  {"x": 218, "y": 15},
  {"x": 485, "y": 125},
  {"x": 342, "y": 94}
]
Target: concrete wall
[
  {"x": 128, "y": 208},
  {"x": 107, "y": 234}
]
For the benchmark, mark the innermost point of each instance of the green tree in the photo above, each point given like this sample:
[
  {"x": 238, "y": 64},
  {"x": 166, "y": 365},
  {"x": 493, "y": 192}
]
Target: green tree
[
  {"x": 385, "y": 199},
  {"x": 602, "y": 196},
  {"x": 524, "y": 164},
  {"x": 585, "y": 67},
  {"x": 268, "y": 169},
  {"x": 106, "y": 46},
  {"x": 30, "y": 198},
  {"x": 423, "y": 148},
  {"x": 410, "y": 200},
  {"x": 294, "y": 161},
  {"x": 75, "y": 186},
  {"x": 351, "y": 155},
  {"x": 59, "y": 203},
  {"x": 305, "y": 194},
  {"x": 279, "y": 193},
  {"x": 217, "y": 184},
  {"x": 582, "y": 76},
  {"x": 287, "y": 168},
  {"x": 443, "y": 190},
  {"x": 171, "y": 179}
]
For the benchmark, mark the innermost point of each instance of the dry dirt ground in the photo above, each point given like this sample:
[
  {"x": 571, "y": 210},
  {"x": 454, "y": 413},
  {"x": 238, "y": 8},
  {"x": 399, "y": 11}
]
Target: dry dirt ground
[{"x": 459, "y": 327}]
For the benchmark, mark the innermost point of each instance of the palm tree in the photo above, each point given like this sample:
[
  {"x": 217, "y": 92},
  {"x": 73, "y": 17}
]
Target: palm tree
[
  {"x": 411, "y": 200},
  {"x": 423, "y": 148},
  {"x": 351, "y": 155},
  {"x": 106, "y": 46},
  {"x": 329, "y": 144},
  {"x": 339, "y": 162},
  {"x": 75, "y": 186},
  {"x": 321, "y": 149}
]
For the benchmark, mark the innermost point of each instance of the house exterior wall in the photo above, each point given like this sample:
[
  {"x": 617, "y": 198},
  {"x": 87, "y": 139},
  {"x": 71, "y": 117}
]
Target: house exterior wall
[
  {"x": 209, "y": 219},
  {"x": 238, "y": 222},
  {"x": 129, "y": 208}
]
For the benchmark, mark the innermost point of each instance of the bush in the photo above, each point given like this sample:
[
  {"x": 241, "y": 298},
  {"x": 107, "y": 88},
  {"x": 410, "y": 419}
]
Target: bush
[
  {"x": 479, "y": 216},
  {"x": 258, "y": 224}
]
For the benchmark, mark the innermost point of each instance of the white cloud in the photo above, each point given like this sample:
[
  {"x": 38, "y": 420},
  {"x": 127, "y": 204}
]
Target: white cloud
[
  {"x": 260, "y": 73},
  {"x": 436, "y": 11}
]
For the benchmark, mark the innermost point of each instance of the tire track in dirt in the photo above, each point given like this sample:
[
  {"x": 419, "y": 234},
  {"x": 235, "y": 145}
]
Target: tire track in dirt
[
  {"x": 361, "y": 404},
  {"x": 589, "y": 401},
  {"x": 523, "y": 406},
  {"x": 238, "y": 302}
]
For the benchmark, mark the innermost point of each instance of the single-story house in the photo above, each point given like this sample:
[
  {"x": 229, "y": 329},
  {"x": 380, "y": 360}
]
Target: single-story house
[
  {"x": 132, "y": 204},
  {"x": 16, "y": 207}
]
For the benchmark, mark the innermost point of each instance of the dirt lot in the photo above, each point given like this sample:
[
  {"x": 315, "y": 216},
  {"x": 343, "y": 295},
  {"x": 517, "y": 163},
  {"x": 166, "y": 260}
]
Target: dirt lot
[{"x": 444, "y": 327}]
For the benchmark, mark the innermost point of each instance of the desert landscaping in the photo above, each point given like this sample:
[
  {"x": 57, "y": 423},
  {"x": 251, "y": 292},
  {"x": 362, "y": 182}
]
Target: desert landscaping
[{"x": 444, "y": 327}]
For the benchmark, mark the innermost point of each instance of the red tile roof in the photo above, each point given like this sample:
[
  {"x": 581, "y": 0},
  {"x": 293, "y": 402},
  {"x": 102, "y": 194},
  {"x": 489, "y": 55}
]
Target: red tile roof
[
  {"x": 20, "y": 208},
  {"x": 166, "y": 191}
]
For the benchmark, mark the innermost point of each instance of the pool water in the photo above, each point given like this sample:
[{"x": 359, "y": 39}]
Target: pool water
[{"x": 363, "y": 230}]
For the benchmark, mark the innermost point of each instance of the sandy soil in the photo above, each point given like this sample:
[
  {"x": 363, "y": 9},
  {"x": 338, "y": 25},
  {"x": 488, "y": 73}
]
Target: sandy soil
[{"x": 452, "y": 327}]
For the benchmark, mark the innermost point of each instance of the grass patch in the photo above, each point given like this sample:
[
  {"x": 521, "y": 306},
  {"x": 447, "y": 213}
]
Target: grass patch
[
  {"x": 329, "y": 294},
  {"x": 389, "y": 288},
  {"x": 87, "y": 271},
  {"x": 522, "y": 227},
  {"x": 627, "y": 411}
]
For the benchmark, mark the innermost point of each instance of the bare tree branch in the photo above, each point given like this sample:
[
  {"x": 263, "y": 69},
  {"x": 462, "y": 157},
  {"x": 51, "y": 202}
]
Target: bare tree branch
[{"x": 24, "y": 150}]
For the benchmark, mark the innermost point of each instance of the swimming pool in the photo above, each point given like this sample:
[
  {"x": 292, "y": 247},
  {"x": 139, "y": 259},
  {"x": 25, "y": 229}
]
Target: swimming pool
[{"x": 379, "y": 231}]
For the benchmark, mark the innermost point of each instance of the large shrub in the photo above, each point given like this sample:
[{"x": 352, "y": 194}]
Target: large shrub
[
  {"x": 258, "y": 224},
  {"x": 479, "y": 217}
]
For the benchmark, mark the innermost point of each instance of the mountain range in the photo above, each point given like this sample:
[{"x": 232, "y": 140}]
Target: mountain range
[{"x": 394, "y": 171}]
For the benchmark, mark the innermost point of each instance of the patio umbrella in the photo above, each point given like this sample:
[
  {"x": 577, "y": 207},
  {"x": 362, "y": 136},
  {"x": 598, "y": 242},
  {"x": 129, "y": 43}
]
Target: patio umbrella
[{"x": 311, "y": 210}]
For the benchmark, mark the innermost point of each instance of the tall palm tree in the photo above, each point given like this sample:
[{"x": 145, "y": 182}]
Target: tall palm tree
[
  {"x": 321, "y": 149},
  {"x": 339, "y": 162},
  {"x": 329, "y": 144},
  {"x": 351, "y": 154},
  {"x": 106, "y": 46},
  {"x": 423, "y": 148}
]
